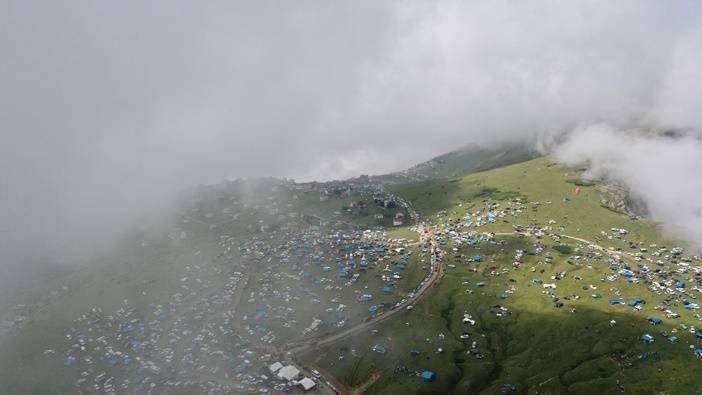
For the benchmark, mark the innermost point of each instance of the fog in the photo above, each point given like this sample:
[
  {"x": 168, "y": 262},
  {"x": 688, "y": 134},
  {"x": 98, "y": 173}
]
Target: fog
[
  {"x": 660, "y": 170},
  {"x": 108, "y": 109}
]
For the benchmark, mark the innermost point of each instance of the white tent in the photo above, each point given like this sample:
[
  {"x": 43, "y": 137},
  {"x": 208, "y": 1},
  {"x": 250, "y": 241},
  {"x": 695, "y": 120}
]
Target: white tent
[
  {"x": 307, "y": 383},
  {"x": 289, "y": 373},
  {"x": 275, "y": 367}
]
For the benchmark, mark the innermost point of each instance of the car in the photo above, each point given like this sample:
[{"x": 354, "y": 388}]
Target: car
[{"x": 465, "y": 336}]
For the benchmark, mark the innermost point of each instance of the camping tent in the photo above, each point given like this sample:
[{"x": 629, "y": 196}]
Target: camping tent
[{"x": 427, "y": 376}]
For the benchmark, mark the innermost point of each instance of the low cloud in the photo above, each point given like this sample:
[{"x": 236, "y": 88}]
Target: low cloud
[
  {"x": 661, "y": 169},
  {"x": 108, "y": 109}
]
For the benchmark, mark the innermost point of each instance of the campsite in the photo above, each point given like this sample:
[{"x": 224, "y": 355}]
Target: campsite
[{"x": 488, "y": 274}]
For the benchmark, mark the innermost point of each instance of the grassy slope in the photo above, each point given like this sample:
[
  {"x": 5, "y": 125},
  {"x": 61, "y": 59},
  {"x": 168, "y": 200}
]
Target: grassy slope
[
  {"x": 470, "y": 160},
  {"x": 460, "y": 162},
  {"x": 539, "y": 181},
  {"x": 538, "y": 348}
]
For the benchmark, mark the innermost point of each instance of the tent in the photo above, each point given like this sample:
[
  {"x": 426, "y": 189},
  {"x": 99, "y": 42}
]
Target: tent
[
  {"x": 307, "y": 383},
  {"x": 289, "y": 373},
  {"x": 379, "y": 348},
  {"x": 648, "y": 339},
  {"x": 654, "y": 320},
  {"x": 427, "y": 376},
  {"x": 636, "y": 301}
]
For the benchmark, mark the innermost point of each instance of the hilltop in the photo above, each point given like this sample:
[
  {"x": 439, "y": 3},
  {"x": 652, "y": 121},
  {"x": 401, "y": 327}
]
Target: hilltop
[{"x": 466, "y": 160}]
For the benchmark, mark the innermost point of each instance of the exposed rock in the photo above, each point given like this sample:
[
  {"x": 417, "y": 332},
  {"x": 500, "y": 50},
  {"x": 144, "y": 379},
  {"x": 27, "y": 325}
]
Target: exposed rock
[{"x": 619, "y": 199}]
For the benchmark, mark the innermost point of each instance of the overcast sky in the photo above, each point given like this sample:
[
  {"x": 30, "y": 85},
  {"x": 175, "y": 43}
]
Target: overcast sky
[{"x": 109, "y": 107}]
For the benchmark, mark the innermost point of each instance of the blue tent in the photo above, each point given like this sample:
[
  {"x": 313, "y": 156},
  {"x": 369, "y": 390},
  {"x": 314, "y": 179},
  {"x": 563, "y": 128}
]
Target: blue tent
[
  {"x": 373, "y": 309},
  {"x": 616, "y": 301},
  {"x": 388, "y": 289},
  {"x": 679, "y": 285},
  {"x": 480, "y": 284},
  {"x": 427, "y": 376},
  {"x": 648, "y": 339},
  {"x": 654, "y": 320},
  {"x": 636, "y": 301},
  {"x": 507, "y": 389},
  {"x": 379, "y": 348},
  {"x": 698, "y": 352},
  {"x": 698, "y": 334},
  {"x": 477, "y": 258}
]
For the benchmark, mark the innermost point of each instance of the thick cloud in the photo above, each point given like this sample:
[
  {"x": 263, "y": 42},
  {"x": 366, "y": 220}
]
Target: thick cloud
[
  {"x": 661, "y": 170},
  {"x": 108, "y": 108}
]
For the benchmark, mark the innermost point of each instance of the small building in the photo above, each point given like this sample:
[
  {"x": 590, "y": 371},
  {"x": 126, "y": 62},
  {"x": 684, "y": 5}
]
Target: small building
[
  {"x": 398, "y": 219},
  {"x": 427, "y": 376},
  {"x": 289, "y": 373},
  {"x": 307, "y": 383},
  {"x": 274, "y": 368}
]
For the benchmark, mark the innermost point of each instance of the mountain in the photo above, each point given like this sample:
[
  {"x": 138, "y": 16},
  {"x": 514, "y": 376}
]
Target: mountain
[
  {"x": 488, "y": 267},
  {"x": 463, "y": 161}
]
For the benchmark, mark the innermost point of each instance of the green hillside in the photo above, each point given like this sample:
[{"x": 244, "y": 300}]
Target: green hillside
[
  {"x": 567, "y": 339},
  {"x": 467, "y": 160},
  {"x": 248, "y": 273}
]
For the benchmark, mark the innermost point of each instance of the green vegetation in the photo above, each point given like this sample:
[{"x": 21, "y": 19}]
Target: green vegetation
[
  {"x": 563, "y": 249},
  {"x": 579, "y": 182},
  {"x": 570, "y": 341},
  {"x": 469, "y": 160}
]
